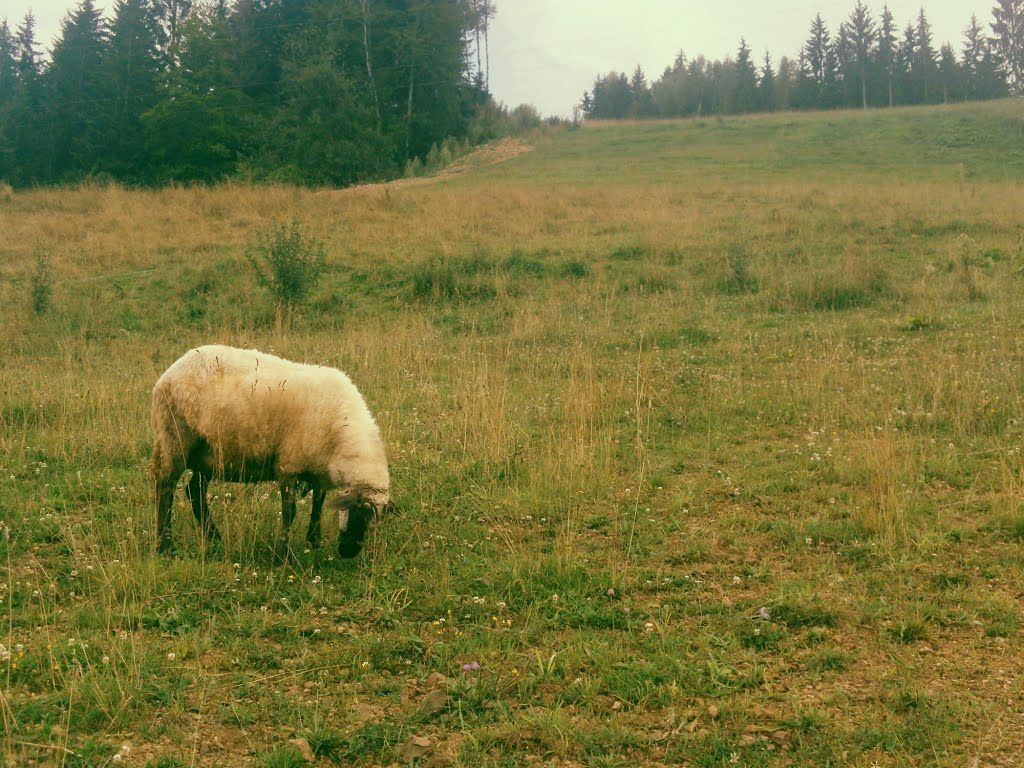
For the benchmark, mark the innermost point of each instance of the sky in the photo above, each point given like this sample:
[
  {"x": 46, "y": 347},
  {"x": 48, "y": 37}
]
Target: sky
[{"x": 548, "y": 52}]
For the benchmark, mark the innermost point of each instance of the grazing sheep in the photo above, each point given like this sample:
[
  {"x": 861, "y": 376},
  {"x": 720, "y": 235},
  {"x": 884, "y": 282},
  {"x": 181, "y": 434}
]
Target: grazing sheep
[{"x": 245, "y": 416}]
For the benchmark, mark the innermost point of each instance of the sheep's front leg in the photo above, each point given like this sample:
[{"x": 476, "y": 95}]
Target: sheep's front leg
[
  {"x": 196, "y": 492},
  {"x": 164, "y": 502},
  {"x": 313, "y": 532},
  {"x": 287, "y": 516}
]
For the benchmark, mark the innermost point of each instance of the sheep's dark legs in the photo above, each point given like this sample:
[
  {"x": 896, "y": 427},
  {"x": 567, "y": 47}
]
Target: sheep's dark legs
[
  {"x": 313, "y": 532},
  {"x": 164, "y": 502},
  {"x": 287, "y": 516},
  {"x": 196, "y": 493}
]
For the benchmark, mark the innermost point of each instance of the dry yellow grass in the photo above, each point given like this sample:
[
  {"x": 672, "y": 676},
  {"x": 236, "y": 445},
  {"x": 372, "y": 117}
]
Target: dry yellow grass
[{"x": 710, "y": 388}]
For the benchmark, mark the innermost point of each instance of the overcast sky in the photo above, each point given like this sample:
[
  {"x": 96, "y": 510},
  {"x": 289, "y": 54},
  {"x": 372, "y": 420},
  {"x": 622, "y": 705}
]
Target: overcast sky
[{"x": 547, "y": 52}]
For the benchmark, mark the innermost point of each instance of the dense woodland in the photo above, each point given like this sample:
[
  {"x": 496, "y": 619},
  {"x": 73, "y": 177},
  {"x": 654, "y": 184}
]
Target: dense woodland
[
  {"x": 307, "y": 91},
  {"x": 870, "y": 61}
]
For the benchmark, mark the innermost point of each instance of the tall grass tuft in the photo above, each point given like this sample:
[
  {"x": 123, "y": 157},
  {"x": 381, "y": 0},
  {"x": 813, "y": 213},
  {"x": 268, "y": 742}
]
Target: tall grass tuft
[
  {"x": 41, "y": 281},
  {"x": 288, "y": 262}
]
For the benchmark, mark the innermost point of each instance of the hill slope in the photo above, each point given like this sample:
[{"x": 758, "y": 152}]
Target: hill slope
[{"x": 705, "y": 439}]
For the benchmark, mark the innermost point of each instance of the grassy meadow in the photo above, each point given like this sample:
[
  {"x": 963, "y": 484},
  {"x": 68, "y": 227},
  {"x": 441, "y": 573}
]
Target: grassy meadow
[{"x": 705, "y": 436}]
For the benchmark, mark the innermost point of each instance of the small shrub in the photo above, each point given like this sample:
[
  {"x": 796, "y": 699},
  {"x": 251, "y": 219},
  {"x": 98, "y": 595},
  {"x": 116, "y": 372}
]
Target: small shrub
[
  {"x": 841, "y": 292},
  {"x": 446, "y": 280},
  {"x": 1014, "y": 527},
  {"x": 165, "y": 761},
  {"x": 287, "y": 262},
  {"x": 519, "y": 263},
  {"x": 575, "y": 269},
  {"x": 281, "y": 756},
  {"x": 737, "y": 278},
  {"x": 796, "y": 615},
  {"x": 829, "y": 660},
  {"x": 41, "y": 282},
  {"x": 629, "y": 253},
  {"x": 920, "y": 323},
  {"x": 907, "y": 631}
]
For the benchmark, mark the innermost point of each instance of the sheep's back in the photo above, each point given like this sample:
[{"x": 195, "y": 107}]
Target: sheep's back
[{"x": 249, "y": 405}]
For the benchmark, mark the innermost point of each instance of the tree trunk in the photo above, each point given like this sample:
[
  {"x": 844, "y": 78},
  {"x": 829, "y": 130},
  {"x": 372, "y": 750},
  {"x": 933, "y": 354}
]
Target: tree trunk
[
  {"x": 369, "y": 64},
  {"x": 487, "y": 44},
  {"x": 408, "y": 106}
]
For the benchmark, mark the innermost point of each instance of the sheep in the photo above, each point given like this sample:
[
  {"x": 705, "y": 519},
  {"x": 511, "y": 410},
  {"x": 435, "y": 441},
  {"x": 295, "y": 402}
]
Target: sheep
[{"x": 246, "y": 416}]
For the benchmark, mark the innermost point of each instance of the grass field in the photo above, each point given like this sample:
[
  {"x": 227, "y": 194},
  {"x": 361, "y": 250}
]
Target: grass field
[{"x": 706, "y": 438}]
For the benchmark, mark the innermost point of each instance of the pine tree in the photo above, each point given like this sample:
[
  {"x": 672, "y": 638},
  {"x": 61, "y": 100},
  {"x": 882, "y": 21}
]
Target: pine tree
[
  {"x": 200, "y": 127},
  {"x": 766, "y": 86},
  {"x": 612, "y": 96},
  {"x": 25, "y": 128},
  {"x": 8, "y": 64},
  {"x": 169, "y": 16},
  {"x": 818, "y": 67},
  {"x": 862, "y": 33},
  {"x": 950, "y": 74},
  {"x": 1008, "y": 27},
  {"x": 906, "y": 56},
  {"x": 643, "y": 104},
  {"x": 78, "y": 96},
  {"x": 133, "y": 66},
  {"x": 8, "y": 86},
  {"x": 885, "y": 55},
  {"x": 973, "y": 56},
  {"x": 698, "y": 75},
  {"x": 786, "y": 82},
  {"x": 744, "y": 95},
  {"x": 924, "y": 64}
]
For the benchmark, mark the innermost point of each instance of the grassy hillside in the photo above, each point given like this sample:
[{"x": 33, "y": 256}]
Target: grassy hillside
[{"x": 705, "y": 437}]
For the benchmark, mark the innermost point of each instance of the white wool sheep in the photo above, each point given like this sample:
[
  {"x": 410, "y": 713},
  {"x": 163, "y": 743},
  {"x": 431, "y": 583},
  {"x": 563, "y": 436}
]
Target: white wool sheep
[{"x": 245, "y": 416}]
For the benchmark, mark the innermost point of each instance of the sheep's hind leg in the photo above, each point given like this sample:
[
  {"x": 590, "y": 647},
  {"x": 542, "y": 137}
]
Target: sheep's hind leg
[
  {"x": 281, "y": 550},
  {"x": 313, "y": 532},
  {"x": 196, "y": 492}
]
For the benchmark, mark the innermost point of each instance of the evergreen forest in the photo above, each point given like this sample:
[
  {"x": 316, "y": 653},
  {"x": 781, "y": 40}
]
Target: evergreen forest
[
  {"x": 314, "y": 92},
  {"x": 869, "y": 61}
]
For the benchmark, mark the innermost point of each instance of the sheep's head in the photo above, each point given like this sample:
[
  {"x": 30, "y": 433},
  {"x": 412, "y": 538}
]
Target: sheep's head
[{"x": 356, "y": 510}]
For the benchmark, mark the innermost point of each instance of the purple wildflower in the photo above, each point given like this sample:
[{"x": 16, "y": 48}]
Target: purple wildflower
[
  {"x": 764, "y": 613},
  {"x": 471, "y": 666}
]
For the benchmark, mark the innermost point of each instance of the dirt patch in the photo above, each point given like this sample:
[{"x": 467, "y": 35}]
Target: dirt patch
[{"x": 489, "y": 154}]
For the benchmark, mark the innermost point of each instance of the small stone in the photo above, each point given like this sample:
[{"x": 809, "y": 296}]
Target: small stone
[
  {"x": 303, "y": 748},
  {"x": 713, "y": 711},
  {"x": 433, "y": 702},
  {"x": 617, "y": 706},
  {"x": 413, "y": 747},
  {"x": 437, "y": 680}
]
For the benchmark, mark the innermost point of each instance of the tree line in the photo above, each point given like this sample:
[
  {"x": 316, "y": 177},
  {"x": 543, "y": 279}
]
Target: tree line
[
  {"x": 328, "y": 92},
  {"x": 867, "y": 62}
]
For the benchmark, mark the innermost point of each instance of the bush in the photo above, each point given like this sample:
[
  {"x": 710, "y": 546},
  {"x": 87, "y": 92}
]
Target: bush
[
  {"x": 287, "y": 262},
  {"x": 737, "y": 278},
  {"x": 42, "y": 282}
]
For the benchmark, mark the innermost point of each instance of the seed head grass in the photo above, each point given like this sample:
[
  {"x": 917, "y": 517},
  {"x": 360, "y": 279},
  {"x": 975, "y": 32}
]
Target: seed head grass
[{"x": 705, "y": 453}]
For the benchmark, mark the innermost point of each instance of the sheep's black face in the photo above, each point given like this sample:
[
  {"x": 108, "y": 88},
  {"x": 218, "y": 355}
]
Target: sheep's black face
[{"x": 350, "y": 540}]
